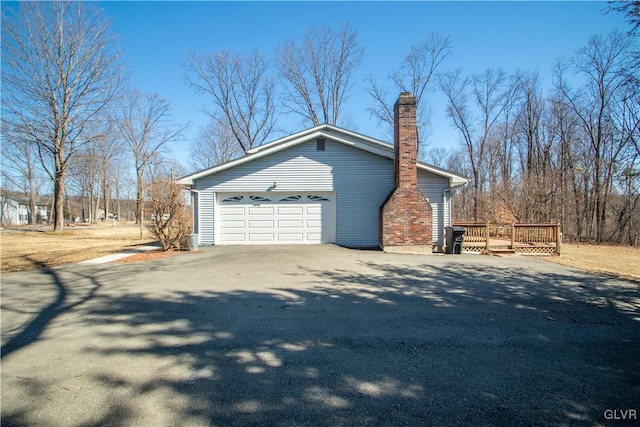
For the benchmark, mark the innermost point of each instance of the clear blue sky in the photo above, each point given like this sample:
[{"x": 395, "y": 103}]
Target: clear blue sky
[{"x": 155, "y": 36}]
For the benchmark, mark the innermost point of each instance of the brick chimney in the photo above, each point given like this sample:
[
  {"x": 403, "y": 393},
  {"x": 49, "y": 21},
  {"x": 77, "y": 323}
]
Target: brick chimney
[{"x": 405, "y": 217}]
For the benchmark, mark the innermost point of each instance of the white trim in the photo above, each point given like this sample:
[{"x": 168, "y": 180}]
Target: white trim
[
  {"x": 454, "y": 179},
  {"x": 216, "y": 218},
  {"x": 446, "y": 199},
  {"x": 325, "y": 129}
]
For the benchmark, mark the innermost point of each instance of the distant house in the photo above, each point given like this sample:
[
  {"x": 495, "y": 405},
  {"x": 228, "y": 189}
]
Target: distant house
[
  {"x": 14, "y": 210},
  {"x": 328, "y": 185},
  {"x": 110, "y": 215}
]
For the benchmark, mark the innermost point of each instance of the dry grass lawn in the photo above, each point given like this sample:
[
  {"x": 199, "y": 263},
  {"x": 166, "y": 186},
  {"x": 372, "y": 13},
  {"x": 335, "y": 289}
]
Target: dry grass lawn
[
  {"x": 617, "y": 260},
  {"x": 25, "y": 250}
]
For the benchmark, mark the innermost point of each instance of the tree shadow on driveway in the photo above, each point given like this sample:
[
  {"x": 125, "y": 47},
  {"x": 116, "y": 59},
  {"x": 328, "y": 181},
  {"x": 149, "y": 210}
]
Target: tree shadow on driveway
[
  {"x": 65, "y": 299},
  {"x": 381, "y": 344}
]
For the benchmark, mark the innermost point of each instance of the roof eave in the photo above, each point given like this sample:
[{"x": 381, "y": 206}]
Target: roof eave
[
  {"x": 455, "y": 180},
  {"x": 343, "y": 136},
  {"x": 369, "y": 144}
]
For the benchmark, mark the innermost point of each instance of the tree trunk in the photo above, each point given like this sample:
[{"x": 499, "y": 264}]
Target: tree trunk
[
  {"x": 96, "y": 213},
  {"x": 91, "y": 217},
  {"x": 105, "y": 193},
  {"x": 139, "y": 197},
  {"x": 32, "y": 196},
  {"x": 68, "y": 203},
  {"x": 32, "y": 206},
  {"x": 118, "y": 197},
  {"x": 58, "y": 205}
]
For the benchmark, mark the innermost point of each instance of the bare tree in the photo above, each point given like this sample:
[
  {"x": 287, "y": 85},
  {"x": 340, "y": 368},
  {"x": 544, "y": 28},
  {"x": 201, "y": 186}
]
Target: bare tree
[
  {"x": 92, "y": 165},
  {"x": 317, "y": 73},
  {"x": 609, "y": 69},
  {"x": 60, "y": 69},
  {"x": 440, "y": 157},
  {"x": 84, "y": 179},
  {"x": 213, "y": 144},
  {"x": 630, "y": 9},
  {"x": 145, "y": 125},
  {"x": 414, "y": 75},
  {"x": 537, "y": 142},
  {"x": 241, "y": 90},
  {"x": 20, "y": 167},
  {"x": 475, "y": 125}
]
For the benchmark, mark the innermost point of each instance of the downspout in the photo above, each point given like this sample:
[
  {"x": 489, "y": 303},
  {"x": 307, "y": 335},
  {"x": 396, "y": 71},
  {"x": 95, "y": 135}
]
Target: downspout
[
  {"x": 446, "y": 220},
  {"x": 196, "y": 221},
  {"x": 446, "y": 196},
  {"x": 452, "y": 185}
]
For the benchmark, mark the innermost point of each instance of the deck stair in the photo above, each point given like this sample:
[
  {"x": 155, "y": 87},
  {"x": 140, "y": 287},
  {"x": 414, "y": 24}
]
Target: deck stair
[{"x": 501, "y": 250}]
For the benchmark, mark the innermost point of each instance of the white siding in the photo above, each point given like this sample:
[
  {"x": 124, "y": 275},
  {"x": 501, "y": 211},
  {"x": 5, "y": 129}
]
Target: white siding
[
  {"x": 361, "y": 181},
  {"x": 433, "y": 187}
]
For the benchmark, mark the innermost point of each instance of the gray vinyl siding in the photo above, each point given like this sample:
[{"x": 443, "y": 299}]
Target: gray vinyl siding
[
  {"x": 360, "y": 180},
  {"x": 362, "y": 183},
  {"x": 433, "y": 187},
  {"x": 207, "y": 207}
]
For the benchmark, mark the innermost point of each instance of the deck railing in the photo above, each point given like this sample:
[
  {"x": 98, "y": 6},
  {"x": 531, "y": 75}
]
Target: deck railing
[
  {"x": 527, "y": 238},
  {"x": 530, "y": 236},
  {"x": 476, "y": 234}
]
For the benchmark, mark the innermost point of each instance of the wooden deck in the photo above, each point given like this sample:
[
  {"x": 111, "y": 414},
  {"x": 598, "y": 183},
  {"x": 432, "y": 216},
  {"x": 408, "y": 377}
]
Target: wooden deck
[{"x": 512, "y": 238}]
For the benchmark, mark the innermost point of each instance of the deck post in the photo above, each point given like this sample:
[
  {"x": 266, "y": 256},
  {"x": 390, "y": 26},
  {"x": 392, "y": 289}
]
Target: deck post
[
  {"x": 486, "y": 230},
  {"x": 513, "y": 235},
  {"x": 558, "y": 238}
]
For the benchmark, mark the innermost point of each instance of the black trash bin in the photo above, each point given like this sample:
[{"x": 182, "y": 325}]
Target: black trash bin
[{"x": 454, "y": 239}]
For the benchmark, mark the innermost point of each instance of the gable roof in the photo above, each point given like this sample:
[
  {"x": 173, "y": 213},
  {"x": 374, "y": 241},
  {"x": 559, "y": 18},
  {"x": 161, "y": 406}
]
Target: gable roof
[{"x": 327, "y": 131}]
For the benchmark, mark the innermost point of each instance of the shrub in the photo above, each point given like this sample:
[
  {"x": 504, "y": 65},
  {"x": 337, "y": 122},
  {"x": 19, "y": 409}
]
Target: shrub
[{"x": 170, "y": 218}]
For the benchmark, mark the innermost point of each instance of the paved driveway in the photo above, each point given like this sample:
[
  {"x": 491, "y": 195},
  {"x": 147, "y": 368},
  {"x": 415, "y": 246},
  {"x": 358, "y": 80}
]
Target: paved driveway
[{"x": 319, "y": 335}]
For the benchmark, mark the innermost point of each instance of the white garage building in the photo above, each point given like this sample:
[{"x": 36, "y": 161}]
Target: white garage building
[{"x": 321, "y": 185}]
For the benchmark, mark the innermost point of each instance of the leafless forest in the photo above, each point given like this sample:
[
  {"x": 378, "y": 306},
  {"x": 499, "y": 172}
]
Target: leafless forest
[{"x": 74, "y": 130}]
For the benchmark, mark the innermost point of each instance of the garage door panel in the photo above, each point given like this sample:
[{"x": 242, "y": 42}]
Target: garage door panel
[
  {"x": 237, "y": 218},
  {"x": 232, "y": 210},
  {"x": 291, "y": 237},
  {"x": 232, "y": 237},
  {"x": 230, "y": 224},
  {"x": 290, "y": 210},
  {"x": 268, "y": 224},
  {"x": 261, "y": 237},
  {"x": 260, "y": 210},
  {"x": 314, "y": 223},
  {"x": 253, "y": 219},
  {"x": 290, "y": 223},
  {"x": 314, "y": 210}
]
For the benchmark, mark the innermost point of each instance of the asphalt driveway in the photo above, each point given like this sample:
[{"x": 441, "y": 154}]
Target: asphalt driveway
[{"x": 319, "y": 335}]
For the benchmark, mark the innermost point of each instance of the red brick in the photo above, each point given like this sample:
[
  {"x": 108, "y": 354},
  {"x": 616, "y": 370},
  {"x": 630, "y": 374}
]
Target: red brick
[{"x": 405, "y": 217}]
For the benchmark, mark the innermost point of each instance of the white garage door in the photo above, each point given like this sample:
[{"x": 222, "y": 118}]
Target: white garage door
[{"x": 275, "y": 218}]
